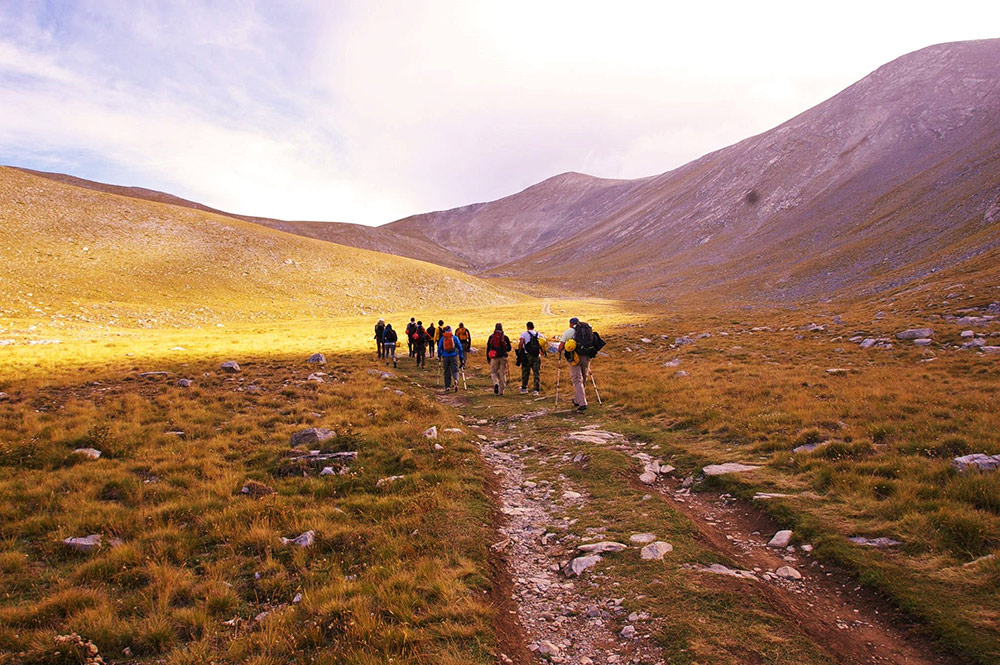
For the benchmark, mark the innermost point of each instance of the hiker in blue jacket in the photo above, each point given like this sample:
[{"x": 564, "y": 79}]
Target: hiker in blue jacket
[{"x": 452, "y": 356}]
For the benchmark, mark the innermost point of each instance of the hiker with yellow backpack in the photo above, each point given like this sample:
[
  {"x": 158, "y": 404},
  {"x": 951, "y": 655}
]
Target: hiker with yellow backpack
[
  {"x": 464, "y": 336},
  {"x": 580, "y": 344}
]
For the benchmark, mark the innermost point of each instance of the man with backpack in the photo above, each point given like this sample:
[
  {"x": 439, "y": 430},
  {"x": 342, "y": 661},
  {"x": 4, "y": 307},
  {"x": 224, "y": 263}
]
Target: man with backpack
[
  {"x": 451, "y": 355},
  {"x": 580, "y": 343},
  {"x": 432, "y": 333},
  {"x": 410, "y": 327},
  {"x": 464, "y": 336},
  {"x": 419, "y": 338},
  {"x": 530, "y": 347},
  {"x": 389, "y": 340},
  {"x": 379, "y": 329},
  {"x": 497, "y": 348}
]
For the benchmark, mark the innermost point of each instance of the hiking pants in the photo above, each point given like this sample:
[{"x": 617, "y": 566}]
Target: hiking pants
[
  {"x": 498, "y": 372},
  {"x": 409, "y": 343},
  {"x": 421, "y": 352},
  {"x": 528, "y": 365},
  {"x": 450, "y": 364},
  {"x": 390, "y": 351},
  {"x": 578, "y": 373},
  {"x": 381, "y": 348}
]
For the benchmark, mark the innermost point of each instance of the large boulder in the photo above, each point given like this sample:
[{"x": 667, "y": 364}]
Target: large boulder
[
  {"x": 979, "y": 461},
  {"x": 656, "y": 551},
  {"x": 915, "y": 333},
  {"x": 312, "y": 436}
]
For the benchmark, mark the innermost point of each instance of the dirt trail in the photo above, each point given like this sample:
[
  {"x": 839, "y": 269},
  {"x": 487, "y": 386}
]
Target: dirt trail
[{"x": 558, "y": 623}]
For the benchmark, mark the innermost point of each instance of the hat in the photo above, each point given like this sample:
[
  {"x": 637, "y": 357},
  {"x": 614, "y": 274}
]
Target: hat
[
  {"x": 574, "y": 321},
  {"x": 499, "y": 326},
  {"x": 381, "y": 320}
]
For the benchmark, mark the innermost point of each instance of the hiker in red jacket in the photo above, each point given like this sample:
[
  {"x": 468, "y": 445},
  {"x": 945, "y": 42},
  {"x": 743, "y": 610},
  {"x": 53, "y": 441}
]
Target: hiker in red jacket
[{"x": 497, "y": 348}]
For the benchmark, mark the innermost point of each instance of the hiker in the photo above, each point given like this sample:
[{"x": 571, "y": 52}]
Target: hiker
[
  {"x": 452, "y": 356},
  {"x": 580, "y": 343},
  {"x": 379, "y": 329},
  {"x": 410, "y": 327},
  {"x": 464, "y": 336},
  {"x": 437, "y": 333},
  {"x": 432, "y": 334},
  {"x": 497, "y": 348},
  {"x": 530, "y": 347},
  {"x": 420, "y": 338},
  {"x": 389, "y": 339}
]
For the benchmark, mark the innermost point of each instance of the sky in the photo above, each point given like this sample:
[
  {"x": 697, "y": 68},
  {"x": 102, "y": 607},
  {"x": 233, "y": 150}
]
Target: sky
[{"x": 372, "y": 110}]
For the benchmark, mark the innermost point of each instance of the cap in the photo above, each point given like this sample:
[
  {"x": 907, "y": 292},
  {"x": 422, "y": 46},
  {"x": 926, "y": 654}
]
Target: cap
[{"x": 574, "y": 321}]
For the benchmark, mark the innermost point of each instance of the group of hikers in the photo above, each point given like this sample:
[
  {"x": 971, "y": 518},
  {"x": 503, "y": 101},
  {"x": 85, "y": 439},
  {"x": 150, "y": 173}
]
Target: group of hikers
[{"x": 578, "y": 345}]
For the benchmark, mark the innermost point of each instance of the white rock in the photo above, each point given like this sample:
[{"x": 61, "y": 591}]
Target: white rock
[
  {"x": 646, "y": 340},
  {"x": 582, "y": 563},
  {"x": 602, "y": 547},
  {"x": 438, "y": 447},
  {"x": 915, "y": 333},
  {"x": 571, "y": 495},
  {"x": 642, "y": 538},
  {"x": 431, "y": 433},
  {"x": 923, "y": 342},
  {"x": 453, "y": 430},
  {"x": 628, "y": 632},
  {"x": 672, "y": 363},
  {"x": 879, "y": 542},
  {"x": 304, "y": 540},
  {"x": 788, "y": 573},
  {"x": 656, "y": 551},
  {"x": 382, "y": 482},
  {"x": 980, "y": 461},
  {"x": 84, "y": 544},
  {"x": 311, "y": 436},
  {"x": 780, "y": 540},
  {"x": 89, "y": 453},
  {"x": 648, "y": 477},
  {"x": 328, "y": 471},
  {"x": 230, "y": 366}
]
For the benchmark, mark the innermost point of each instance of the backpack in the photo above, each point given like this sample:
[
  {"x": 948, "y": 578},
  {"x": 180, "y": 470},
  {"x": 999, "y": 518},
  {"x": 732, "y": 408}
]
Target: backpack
[
  {"x": 496, "y": 345},
  {"x": 410, "y": 327},
  {"x": 448, "y": 342},
  {"x": 584, "y": 336},
  {"x": 532, "y": 347},
  {"x": 463, "y": 334}
]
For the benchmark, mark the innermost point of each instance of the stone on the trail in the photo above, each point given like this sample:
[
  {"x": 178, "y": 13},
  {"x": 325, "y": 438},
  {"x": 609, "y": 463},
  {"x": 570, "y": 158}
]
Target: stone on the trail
[
  {"x": 628, "y": 632},
  {"x": 923, "y": 341},
  {"x": 230, "y": 367},
  {"x": 317, "y": 358},
  {"x": 570, "y": 495},
  {"x": 974, "y": 343},
  {"x": 728, "y": 467},
  {"x": 788, "y": 573},
  {"x": 595, "y": 436},
  {"x": 438, "y": 447},
  {"x": 990, "y": 349},
  {"x": 547, "y": 648},
  {"x": 304, "y": 540},
  {"x": 915, "y": 333},
  {"x": 602, "y": 547},
  {"x": 719, "y": 569},
  {"x": 582, "y": 563},
  {"x": 431, "y": 432},
  {"x": 642, "y": 538},
  {"x": 382, "y": 482},
  {"x": 980, "y": 461},
  {"x": 311, "y": 436},
  {"x": 968, "y": 333},
  {"x": 89, "y": 453},
  {"x": 648, "y": 477},
  {"x": 781, "y": 539},
  {"x": 84, "y": 544},
  {"x": 380, "y": 374},
  {"x": 764, "y": 496},
  {"x": 318, "y": 378},
  {"x": 672, "y": 363},
  {"x": 646, "y": 340},
  {"x": 868, "y": 343},
  {"x": 655, "y": 551},
  {"x": 806, "y": 548},
  {"x": 184, "y": 383},
  {"x": 879, "y": 542},
  {"x": 256, "y": 490}
]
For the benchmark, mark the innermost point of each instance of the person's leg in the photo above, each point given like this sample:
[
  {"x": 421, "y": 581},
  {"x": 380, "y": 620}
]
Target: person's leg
[
  {"x": 525, "y": 374},
  {"x": 536, "y": 367},
  {"x": 446, "y": 369},
  {"x": 577, "y": 375},
  {"x": 494, "y": 365},
  {"x": 502, "y": 373},
  {"x": 454, "y": 371}
]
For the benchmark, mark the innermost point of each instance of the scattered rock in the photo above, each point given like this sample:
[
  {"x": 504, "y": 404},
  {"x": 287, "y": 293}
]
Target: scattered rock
[
  {"x": 915, "y": 333},
  {"x": 656, "y": 551},
  {"x": 681, "y": 341},
  {"x": 672, "y": 363},
  {"x": 382, "y": 482},
  {"x": 788, "y": 573},
  {"x": 764, "y": 496},
  {"x": 990, "y": 349},
  {"x": 256, "y": 490},
  {"x": 582, "y": 563},
  {"x": 646, "y": 340},
  {"x": 680, "y": 374},
  {"x": 968, "y": 333},
  {"x": 184, "y": 383},
  {"x": 317, "y": 358},
  {"x": 453, "y": 430},
  {"x": 85, "y": 543},
  {"x": 312, "y": 436},
  {"x": 154, "y": 375},
  {"x": 781, "y": 539},
  {"x": 602, "y": 547},
  {"x": 317, "y": 377},
  {"x": 571, "y": 496},
  {"x": 980, "y": 461},
  {"x": 648, "y": 477},
  {"x": 595, "y": 436},
  {"x": 4, "y": 397},
  {"x": 838, "y": 371},
  {"x": 305, "y": 540},
  {"x": 89, "y": 453},
  {"x": 432, "y": 432},
  {"x": 728, "y": 467},
  {"x": 642, "y": 538},
  {"x": 230, "y": 367},
  {"x": 875, "y": 542},
  {"x": 719, "y": 569},
  {"x": 628, "y": 632},
  {"x": 809, "y": 447},
  {"x": 547, "y": 648},
  {"x": 923, "y": 341},
  {"x": 438, "y": 447}
]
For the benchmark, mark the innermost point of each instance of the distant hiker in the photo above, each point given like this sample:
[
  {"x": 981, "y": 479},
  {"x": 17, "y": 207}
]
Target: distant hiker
[
  {"x": 530, "y": 347},
  {"x": 452, "y": 356},
  {"x": 497, "y": 348},
  {"x": 410, "y": 327},
  {"x": 438, "y": 332},
  {"x": 432, "y": 333},
  {"x": 420, "y": 338},
  {"x": 389, "y": 340},
  {"x": 464, "y": 336},
  {"x": 379, "y": 329},
  {"x": 580, "y": 343}
]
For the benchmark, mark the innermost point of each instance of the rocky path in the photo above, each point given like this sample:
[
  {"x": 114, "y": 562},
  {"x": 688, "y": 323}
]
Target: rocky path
[{"x": 570, "y": 609}]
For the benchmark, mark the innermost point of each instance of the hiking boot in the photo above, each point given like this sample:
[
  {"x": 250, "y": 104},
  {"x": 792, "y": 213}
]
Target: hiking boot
[
  {"x": 496, "y": 388},
  {"x": 456, "y": 387},
  {"x": 524, "y": 391},
  {"x": 581, "y": 409},
  {"x": 394, "y": 364},
  {"x": 534, "y": 393}
]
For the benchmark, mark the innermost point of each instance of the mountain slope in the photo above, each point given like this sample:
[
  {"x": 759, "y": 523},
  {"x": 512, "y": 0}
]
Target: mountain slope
[
  {"x": 893, "y": 177},
  {"x": 79, "y": 255}
]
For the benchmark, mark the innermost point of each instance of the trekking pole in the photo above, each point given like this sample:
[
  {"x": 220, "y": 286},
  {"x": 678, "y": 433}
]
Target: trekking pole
[
  {"x": 558, "y": 376},
  {"x": 595, "y": 386},
  {"x": 440, "y": 371},
  {"x": 464, "y": 384}
]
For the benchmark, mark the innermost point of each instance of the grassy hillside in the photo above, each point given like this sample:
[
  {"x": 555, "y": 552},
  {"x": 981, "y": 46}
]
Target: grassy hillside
[{"x": 74, "y": 256}]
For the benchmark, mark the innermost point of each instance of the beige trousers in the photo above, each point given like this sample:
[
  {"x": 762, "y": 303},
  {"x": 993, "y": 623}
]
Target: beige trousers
[
  {"x": 578, "y": 374},
  {"x": 498, "y": 372}
]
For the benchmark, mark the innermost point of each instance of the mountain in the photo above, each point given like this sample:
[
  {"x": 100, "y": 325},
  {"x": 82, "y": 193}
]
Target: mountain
[{"x": 87, "y": 256}]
